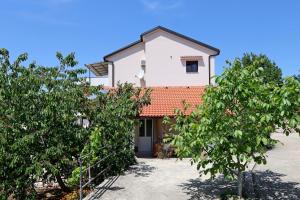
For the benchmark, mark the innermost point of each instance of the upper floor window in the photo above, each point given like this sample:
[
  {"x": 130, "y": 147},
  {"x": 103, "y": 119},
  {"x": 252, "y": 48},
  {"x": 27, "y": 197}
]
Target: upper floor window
[{"x": 192, "y": 66}]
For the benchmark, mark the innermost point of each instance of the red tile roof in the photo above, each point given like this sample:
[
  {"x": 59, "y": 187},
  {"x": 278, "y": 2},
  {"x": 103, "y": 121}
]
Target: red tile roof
[{"x": 164, "y": 100}]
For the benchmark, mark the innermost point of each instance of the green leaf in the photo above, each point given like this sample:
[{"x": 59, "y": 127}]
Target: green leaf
[
  {"x": 238, "y": 133},
  {"x": 265, "y": 141}
]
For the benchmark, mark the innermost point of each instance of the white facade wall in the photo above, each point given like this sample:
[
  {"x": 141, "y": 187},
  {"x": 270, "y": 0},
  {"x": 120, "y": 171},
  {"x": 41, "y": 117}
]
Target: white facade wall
[
  {"x": 164, "y": 67},
  {"x": 127, "y": 65},
  {"x": 96, "y": 81}
]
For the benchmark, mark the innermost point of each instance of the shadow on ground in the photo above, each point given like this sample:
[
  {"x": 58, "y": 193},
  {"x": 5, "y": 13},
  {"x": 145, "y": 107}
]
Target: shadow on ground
[
  {"x": 208, "y": 189},
  {"x": 99, "y": 191},
  {"x": 141, "y": 170},
  {"x": 271, "y": 186},
  {"x": 268, "y": 185}
]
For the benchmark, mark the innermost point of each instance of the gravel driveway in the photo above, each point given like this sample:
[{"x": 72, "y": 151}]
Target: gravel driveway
[{"x": 153, "y": 179}]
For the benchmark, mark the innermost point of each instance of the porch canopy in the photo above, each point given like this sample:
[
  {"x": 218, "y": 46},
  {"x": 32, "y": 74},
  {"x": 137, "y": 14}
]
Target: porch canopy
[
  {"x": 99, "y": 68},
  {"x": 165, "y": 100}
]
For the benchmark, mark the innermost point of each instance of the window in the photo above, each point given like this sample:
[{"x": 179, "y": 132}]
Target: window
[
  {"x": 149, "y": 127},
  {"x": 142, "y": 128},
  {"x": 191, "y": 66},
  {"x": 146, "y": 126}
]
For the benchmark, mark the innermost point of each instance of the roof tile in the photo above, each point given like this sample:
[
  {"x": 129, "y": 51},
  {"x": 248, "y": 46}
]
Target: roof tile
[{"x": 164, "y": 100}]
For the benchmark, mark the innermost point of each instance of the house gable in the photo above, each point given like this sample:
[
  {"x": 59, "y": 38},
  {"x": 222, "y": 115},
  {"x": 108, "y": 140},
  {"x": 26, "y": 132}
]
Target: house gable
[
  {"x": 160, "y": 28},
  {"x": 164, "y": 52},
  {"x": 161, "y": 57}
]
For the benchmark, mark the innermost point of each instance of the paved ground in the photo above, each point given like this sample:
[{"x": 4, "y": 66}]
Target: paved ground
[
  {"x": 172, "y": 179},
  {"x": 280, "y": 178},
  {"x": 152, "y": 179}
]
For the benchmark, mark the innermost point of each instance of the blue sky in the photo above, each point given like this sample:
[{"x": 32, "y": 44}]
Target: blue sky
[{"x": 93, "y": 28}]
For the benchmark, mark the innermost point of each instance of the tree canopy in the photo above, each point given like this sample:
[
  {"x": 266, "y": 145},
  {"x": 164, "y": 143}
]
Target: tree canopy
[
  {"x": 232, "y": 127},
  {"x": 271, "y": 72},
  {"x": 297, "y": 76},
  {"x": 40, "y": 138}
]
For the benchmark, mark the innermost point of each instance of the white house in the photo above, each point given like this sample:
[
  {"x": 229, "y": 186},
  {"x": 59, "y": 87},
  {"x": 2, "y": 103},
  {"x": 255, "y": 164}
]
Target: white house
[{"x": 175, "y": 66}]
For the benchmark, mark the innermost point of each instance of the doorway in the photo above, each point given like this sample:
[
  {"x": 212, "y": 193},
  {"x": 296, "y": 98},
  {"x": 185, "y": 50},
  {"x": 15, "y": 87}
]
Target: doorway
[{"x": 145, "y": 137}]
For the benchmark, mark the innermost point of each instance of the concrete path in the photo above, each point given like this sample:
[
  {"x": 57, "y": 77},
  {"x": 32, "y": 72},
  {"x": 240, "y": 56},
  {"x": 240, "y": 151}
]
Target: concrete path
[
  {"x": 280, "y": 177},
  {"x": 151, "y": 179},
  {"x": 173, "y": 179}
]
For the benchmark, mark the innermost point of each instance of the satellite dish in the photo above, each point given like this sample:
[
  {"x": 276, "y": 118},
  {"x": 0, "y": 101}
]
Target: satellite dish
[{"x": 141, "y": 74}]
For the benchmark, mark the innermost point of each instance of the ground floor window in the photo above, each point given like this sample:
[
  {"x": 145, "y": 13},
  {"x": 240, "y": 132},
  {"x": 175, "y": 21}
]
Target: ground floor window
[{"x": 146, "y": 128}]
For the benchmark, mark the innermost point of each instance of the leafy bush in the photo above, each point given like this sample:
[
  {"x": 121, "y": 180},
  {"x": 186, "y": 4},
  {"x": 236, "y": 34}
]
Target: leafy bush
[
  {"x": 113, "y": 117},
  {"x": 40, "y": 139}
]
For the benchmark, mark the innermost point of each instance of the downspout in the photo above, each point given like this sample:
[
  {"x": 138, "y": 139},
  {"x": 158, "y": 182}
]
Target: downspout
[
  {"x": 112, "y": 74},
  {"x": 209, "y": 73}
]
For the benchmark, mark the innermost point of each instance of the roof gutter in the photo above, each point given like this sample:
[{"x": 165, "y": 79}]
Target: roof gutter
[{"x": 209, "y": 73}]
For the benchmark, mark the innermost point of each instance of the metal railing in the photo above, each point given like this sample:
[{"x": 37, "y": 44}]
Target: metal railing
[{"x": 87, "y": 171}]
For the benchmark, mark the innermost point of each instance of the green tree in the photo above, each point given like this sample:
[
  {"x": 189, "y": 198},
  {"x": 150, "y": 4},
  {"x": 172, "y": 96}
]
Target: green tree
[
  {"x": 40, "y": 136},
  {"x": 287, "y": 101},
  {"x": 39, "y": 106},
  {"x": 18, "y": 99},
  {"x": 271, "y": 72},
  {"x": 60, "y": 138},
  {"x": 297, "y": 77},
  {"x": 114, "y": 117},
  {"x": 232, "y": 126},
  {"x": 122, "y": 104}
]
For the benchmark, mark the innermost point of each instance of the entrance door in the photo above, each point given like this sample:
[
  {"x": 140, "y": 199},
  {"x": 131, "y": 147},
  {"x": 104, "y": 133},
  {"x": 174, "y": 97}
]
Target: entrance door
[{"x": 145, "y": 137}]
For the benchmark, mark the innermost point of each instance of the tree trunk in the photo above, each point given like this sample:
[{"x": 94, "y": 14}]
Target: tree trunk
[
  {"x": 61, "y": 183},
  {"x": 240, "y": 184}
]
